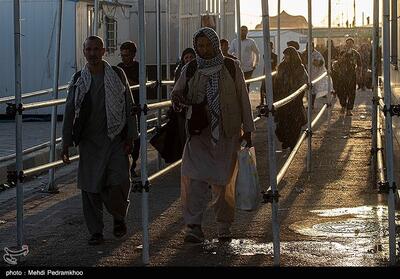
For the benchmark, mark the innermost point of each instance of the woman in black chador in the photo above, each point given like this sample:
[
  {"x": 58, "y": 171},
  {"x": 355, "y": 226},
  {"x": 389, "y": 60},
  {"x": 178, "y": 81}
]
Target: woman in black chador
[{"x": 291, "y": 75}]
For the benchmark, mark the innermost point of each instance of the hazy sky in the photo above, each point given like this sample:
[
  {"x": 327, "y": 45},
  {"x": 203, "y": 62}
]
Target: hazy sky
[{"x": 341, "y": 11}]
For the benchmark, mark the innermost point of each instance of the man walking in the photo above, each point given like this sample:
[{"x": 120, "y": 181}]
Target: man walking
[
  {"x": 98, "y": 116},
  {"x": 250, "y": 55},
  {"x": 219, "y": 118},
  {"x": 131, "y": 68}
]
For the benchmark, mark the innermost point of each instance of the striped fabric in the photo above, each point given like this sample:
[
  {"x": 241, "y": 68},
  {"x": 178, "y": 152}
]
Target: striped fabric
[
  {"x": 211, "y": 68},
  {"x": 114, "y": 98}
]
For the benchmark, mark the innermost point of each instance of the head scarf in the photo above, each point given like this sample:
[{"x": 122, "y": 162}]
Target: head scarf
[
  {"x": 211, "y": 68},
  {"x": 295, "y": 59}
]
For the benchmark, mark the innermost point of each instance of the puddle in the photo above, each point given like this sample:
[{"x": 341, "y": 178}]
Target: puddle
[
  {"x": 244, "y": 247},
  {"x": 358, "y": 212},
  {"x": 360, "y": 252},
  {"x": 363, "y": 221}
]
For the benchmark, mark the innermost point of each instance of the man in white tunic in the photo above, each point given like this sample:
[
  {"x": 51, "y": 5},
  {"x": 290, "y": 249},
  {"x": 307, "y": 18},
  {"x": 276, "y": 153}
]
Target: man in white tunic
[
  {"x": 215, "y": 85},
  {"x": 98, "y": 116},
  {"x": 250, "y": 54}
]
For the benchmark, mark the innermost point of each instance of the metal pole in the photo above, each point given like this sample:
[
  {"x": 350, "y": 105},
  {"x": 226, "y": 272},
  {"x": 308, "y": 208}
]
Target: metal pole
[
  {"x": 239, "y": 40},
  {"x": 329, "y": 101},
  {"x": 18, "y": 123},
  {"x": 375, "y": 103},
  {"x": 389, "y": 132},
  {"x": 217, "y": 15},
  {"x": 278, "y": 47},
  {"x": 309, "y": 106},
  {"x": 271, "y": 128},
  {"x": 167, "y": 42},
  {"x": 223, "y": 20},
  {"x": 143, "y": 133},
  {"x": 51, "y": 187},
  {"x": 96, "y": 18},
  {"x": 180, "y": 28},
  {"x": 394, "y": 33},
  {"x": 159, "y": 73}
]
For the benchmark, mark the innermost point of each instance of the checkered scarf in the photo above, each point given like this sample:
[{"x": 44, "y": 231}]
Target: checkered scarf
[
  {"x": 114, "y": 98},
  {"x": 211, "y": 68}
]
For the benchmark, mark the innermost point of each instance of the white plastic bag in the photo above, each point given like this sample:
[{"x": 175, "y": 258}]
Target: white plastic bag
[{"x": 247, "y": 184}]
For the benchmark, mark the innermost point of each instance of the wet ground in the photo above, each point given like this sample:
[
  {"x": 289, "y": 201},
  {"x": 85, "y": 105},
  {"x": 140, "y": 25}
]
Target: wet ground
[{"x": 332, "y": 216}]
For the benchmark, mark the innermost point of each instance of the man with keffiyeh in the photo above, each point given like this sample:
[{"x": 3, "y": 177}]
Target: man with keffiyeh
[
  {"x": 98, "y": 116},
  {"x": 210, "y": 158}
]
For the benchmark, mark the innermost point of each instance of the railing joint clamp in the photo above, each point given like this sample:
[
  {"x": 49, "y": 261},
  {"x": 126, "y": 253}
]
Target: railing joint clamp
[
  {"x": 12, "y": 177},
  {"x": 12, "y": 109},
  {"x": 263, "y": 110},
  {"x": 139, "y": 187},
  {"x": 270, "y": 196},
  {"x": 137, "y": 109}
]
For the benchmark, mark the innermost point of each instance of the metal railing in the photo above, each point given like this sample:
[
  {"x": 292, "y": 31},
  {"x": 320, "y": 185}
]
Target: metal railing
[
  {"x": 33, "y": 94},
  {"x": 28, "y": 150},
  {"x": 36, "y": 105}
]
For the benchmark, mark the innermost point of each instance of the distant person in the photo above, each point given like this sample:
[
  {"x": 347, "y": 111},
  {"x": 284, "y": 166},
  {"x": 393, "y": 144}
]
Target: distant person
[
  {"x": 344, "y": 71},
  {"x": 171, "y": 144},
  {"x": 291, "y": 75},
  {"x": 296, "y": 46},
  {"x": 317, "y": 69},
  {"x": 98, "y": 117},
  {"x": 350, "y": 69},
  {"x": 293, "y": 44},
  {"x": 365, "y": 65},
  {"x": 250, "y": 55},
  {"x": 334, "y": 54},
  {"x": 131, "y": 68},
  {"x": 187, "y": 55},
  {"x": 225, "y": 48}
]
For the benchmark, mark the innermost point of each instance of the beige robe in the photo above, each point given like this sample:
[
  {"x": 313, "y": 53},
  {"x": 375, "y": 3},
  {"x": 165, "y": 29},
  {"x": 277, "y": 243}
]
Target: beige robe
[{"x": 205, "y": 162}]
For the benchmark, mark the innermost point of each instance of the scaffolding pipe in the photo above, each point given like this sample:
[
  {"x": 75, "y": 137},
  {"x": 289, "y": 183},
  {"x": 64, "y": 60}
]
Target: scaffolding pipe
[
  {"x": 329, "y": 98},
  {"x": 309, "y": 105},
  {"x": 51, "y": 187},
  {"x": 143, "y": 133},
  {"x": 389, "y": 132},
  {"x": 293, "y": 153},
  {"x": 380, "y": 169},
  {"x": 291, "y": 97},
  {"x": 278, "y": 47},
  {"x": 167, "y": 42},
  {"x": 28, "y": 150},
  {"x": 223, "y": 20},
  {"x": 148, "y": 84},
  {"x": 18, "y": 123},
  {"x": 375, "y": 98},
  {"x": 271, "y": 138},
  {"x": 48, "y": 166},
  {"x": 260, "y": 78},
  {"x": 180, "y": 8},
  {"x": 394, "y": 34},
  {"x": 96, "y": 18},
  {"x": 32, "y": 94},
  {"x": 159, "y": 77},
  {"x": 239, "y": 39},
  {"x": 44, "y": 104}
]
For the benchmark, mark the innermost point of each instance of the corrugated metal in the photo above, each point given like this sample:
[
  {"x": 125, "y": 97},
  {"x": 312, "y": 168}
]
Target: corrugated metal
[
  {"x": 37, "y": 47},
  {"x": 151, "y": 36}
]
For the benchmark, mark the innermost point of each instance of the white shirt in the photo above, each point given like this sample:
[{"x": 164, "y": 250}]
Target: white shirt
[{"x": 250, "y": 53}]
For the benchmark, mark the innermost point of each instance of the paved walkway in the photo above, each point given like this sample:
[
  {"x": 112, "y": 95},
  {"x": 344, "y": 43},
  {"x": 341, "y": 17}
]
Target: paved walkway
[{"x": 331, "y": 217}]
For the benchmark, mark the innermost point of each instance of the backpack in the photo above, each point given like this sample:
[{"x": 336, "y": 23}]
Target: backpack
[{"x": 199, "y": 120}]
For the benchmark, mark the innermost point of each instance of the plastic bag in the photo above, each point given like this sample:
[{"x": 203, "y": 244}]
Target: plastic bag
[{"x": 248, "y": 192}]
